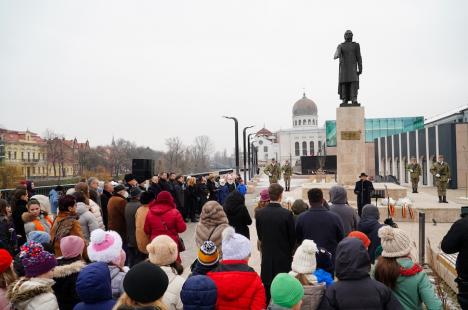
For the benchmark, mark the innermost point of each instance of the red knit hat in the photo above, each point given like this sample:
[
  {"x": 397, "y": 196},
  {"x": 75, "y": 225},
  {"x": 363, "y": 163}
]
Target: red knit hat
[
  {"x": 5, "y": 260},
  {"x": 362, "y": 236}
]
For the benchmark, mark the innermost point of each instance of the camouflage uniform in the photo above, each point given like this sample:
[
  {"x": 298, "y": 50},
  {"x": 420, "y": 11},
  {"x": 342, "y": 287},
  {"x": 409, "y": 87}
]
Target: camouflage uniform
[
  {"x": 415, "y": 173},
  {"x": 441, "y": 172},
  {"x": 287, "y": 172},
  {"x": 273, "y": 172}
]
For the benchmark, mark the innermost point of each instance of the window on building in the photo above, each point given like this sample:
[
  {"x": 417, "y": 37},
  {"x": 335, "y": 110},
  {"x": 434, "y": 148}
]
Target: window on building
[
  {"x": 304, "y": 148},
  {"x": 14, "y": 155},
  {"x": 319, "y": 147},
  {"x": 34, "y": 156},
  {"x": 265, "y": 149},
  {"x": 312, "y": 148},
  {"x": 29, "y": 156},
  {"x": 304, "y": 122},
  {"x": 308, "y": 122},
  {"x": 22, "y": 155},
  {"x": 295, "y": 123},
  {"x": 33, "y": 170},
  {"x": 299, "y": 122},
  {"x": 296, "y": 149},
  {"x": 9, "y": 155}
]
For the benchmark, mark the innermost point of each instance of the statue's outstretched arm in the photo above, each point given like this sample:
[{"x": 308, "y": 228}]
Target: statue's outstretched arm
[{"x": 337, "y": 52}]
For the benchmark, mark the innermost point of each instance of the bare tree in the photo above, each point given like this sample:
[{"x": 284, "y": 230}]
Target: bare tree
[
  {"x": 174, "y": 154},
  {"x": 200, "y": 151},
  {"x": 54, "y": 150}
]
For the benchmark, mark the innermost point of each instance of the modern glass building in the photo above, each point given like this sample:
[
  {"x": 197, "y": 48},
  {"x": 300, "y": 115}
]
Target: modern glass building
[{"x": 379, "y": 127}]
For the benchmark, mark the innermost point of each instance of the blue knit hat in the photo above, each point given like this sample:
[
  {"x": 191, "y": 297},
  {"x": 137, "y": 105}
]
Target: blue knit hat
[
  {"x": 199, "y": 292},
  {"x": 38, "y": 236}
]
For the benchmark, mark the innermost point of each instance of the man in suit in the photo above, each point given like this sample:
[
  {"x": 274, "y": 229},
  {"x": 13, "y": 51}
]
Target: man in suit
[{"x": 363, "y": 189}]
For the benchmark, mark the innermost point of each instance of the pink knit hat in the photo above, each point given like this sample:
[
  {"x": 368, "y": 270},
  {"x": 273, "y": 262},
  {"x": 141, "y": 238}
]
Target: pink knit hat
[
  {"x": 105, "y": 246},
  {"x": 264, "y": 195},
  {"x": 71, "y": 246}
]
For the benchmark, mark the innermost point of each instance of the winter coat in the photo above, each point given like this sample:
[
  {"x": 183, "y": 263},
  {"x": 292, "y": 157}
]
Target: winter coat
[
  {"x": 65, "y": 224},
  {"x": 322, "y": 226},
  {"x": 142, "y": 239},
  {"x": 87, "y": 220},
  {"x": 313, "y": 295},
  {"x": 116, "y": 216},
  {"x": 223, "y": 192},
  {"x": 4, "y": 302},
  {"x": 130, "y": 212},
  {"x": 239, "y": 286},
  {"x": 94, "y": 195},
  {"x": 199, "y": 296},
  {"x": 369, "y": 224},
  {"x": 213, "y": 221},
  {"x": 7, "y": 235},
  {"x": 275, "y": 231},
  {"x": 164, "y": 219},
  {"x": 242, "y": 189},
  {"x": 53, "y": 199},
  {"x": 17, "y": 211},
  {"x": 65, "y": 275},
  {"x": 339, "y": 205},
  {"x": 179, "y": 195},
  {"x": 212, "y": 190},
  {"x": 104, "y": 202},
  {"x": 190, "y": 200},
  {"x": 355, "y": 289},
  {"x": 237, "y": 213},
  {"x": 96, "y": 211},
  {"x": 413, "y": 287},
  {"x": 363, "y": 190},
  {"x": 456, "y": 240},
  {"x": 155, "y": 188},
  {"x": 32, "y": 294},
  {"x": 41, "y": 223},
  {"x": 94, "y": 288},
  {"x": 117, "y": 277},
  {"x": 200, "y": 269},
  {"x": 171, "y": 297}
]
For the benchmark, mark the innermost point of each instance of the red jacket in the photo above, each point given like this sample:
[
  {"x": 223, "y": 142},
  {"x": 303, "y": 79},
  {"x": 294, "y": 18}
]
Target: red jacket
[
  {"x": 239, "y": 286},
  {"x": 163, "y": 218}
]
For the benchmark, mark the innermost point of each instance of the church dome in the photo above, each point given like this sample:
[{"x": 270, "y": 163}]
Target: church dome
[{"x": 304, "y": 106}]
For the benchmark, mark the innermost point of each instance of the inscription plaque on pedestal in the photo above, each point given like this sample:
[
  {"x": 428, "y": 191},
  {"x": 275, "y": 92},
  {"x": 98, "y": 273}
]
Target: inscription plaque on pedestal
[{"x": 351, "y": 135}]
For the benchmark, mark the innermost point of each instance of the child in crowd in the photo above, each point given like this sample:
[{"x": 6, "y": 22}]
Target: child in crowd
[
  {"x": 286, "y": 293},
  {"x": 106, "y": 247},
  {"x": 34, "y": 291},
  {"x": 396, "y": 270},
  {"x": 66, "y": 273},
  {"x": 163, "y": 252},
  {"x": 35, "y": 218},
  {"x": 144, "y": 285},
  {"x": 199, "y": 292},
  {"x": 352, "y": 291},
  {"x": 207, "y": 260},
  {"x": 239, "y": 286},
  {"x": 94, "y": 289},
  {"x": 7, "y": 276},
  {"x": 303, "y": 269}
]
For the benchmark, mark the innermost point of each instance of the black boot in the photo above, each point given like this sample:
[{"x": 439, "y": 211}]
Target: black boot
[
  {"x": 444, "y": 199},
  {"x": 440, "y": 199}
]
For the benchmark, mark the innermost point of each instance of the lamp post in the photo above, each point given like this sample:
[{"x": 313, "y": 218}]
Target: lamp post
[
  {"x": 250, "y": 161},
  {"x": 236, "y": 137},
  {"x": 245, "y": 150}
]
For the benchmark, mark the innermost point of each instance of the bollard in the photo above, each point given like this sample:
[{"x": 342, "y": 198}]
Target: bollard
[{"x": 422, "y": 236}]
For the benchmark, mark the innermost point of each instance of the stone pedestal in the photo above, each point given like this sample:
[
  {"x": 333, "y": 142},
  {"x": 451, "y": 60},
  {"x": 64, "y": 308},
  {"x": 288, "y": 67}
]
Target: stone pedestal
[{"x": 350, "y": 144}]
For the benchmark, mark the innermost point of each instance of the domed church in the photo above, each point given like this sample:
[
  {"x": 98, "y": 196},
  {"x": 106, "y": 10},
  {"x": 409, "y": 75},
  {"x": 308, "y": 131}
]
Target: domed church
[{"x": 305, "y": 138}]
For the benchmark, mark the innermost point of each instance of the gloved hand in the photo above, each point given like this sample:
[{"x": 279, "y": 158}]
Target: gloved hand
[
  {"x": 411, "y": 170},
  {"x": 438, "y": 175}
]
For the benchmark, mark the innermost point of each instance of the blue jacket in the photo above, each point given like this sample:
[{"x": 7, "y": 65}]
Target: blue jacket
[
  {"x": 241, "y": 188},
  {"x": 223, "y": 192},
  {"x": 94, "y": 288},
  {"x": 199, "y": 293},
  {"x": 53, "y": 198}
]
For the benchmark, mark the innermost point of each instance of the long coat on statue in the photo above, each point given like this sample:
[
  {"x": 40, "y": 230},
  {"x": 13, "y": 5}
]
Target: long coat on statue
[
  {"x": 350, "y": 61},
  {"x": 277, "y": 236}
]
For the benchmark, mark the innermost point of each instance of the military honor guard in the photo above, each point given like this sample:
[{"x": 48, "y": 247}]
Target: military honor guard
[
  {"x": 273, "y": 171},
  {"x": 441, "y": 171},
  {"x": 415, "y": 172},
  {"x": 287, "y": 172}
]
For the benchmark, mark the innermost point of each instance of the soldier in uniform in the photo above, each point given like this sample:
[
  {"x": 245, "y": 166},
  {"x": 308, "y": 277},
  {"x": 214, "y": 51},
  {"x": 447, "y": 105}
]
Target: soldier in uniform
[
  {"x": 273, "y": 171},
  {"x": 287, "y": 172},
  {"x": 441, "y": 171},
  {"x": 415, "y": 172}
]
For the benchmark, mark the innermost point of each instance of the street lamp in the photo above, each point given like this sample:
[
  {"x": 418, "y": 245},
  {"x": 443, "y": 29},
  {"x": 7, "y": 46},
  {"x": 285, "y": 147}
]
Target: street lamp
[
  {"x": 236, "y": 137},
  {"x": 250, "y": 160},
  {"x": 245, "y": 150}
]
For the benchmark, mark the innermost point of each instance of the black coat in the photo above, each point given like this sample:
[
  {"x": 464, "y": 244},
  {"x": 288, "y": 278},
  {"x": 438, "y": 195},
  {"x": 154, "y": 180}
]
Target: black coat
[
  {"x": 456, "y": 240},
  {"x": 363, "y": 190},
  {"x": 322, "y": 226},
  {"x": 212, "y": 190},
  {"x": 355, "y": 289},
  {"x": 237, "y": 213},
  {"x": 17, "y": 211},
  {"x": 7, "y": 235},
  {"x": 65, "y": 276},
  {"x": 371, "y": 227},
  {"x": 275, "y": 231},
  {"x": 104, "y": 201}
]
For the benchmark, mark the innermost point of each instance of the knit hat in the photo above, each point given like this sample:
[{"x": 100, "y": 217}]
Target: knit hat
[
  {"x": 162, "y": 250},
  {"x": 234, "y": 246},
  {"x": 286, "y": 291},
  {"x": 135, "y": 192},
  {"x": 370, "y": 211},
  {"x": 35, "y": 260},
  {"x": 118, "y": 188},
  {"x": 361, "y": 236},
  {"x": 199, "y": 292},
  {"x": 71, "y": 246},
  {"x": 38, "y": 236},
  {"x": 395, "y": 242},
  {"x": 264, "y": 195},
  {"x": 5, "y": 260},
  {"x": 208, "y": 254},
  {"x": 304, "y": 258},
  {"x": 104, "y": 246},
  {"x": 145, "y": 282}
]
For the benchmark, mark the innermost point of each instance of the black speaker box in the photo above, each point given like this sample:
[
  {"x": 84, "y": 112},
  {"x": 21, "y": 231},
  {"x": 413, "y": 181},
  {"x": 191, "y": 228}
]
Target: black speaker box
[{"x": 142, "y": 169}]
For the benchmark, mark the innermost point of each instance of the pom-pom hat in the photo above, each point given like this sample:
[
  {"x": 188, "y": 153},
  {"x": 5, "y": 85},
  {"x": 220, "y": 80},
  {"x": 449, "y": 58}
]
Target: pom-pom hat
[
  {"x": 304, "y": 260},
  {"x": 235, "y": 246},
  {"x": 35, "y": 260},
  {"x": 395, "y": 242},
  {"x": 208, "y": 254},
  {"x": 105, "y": 246}
]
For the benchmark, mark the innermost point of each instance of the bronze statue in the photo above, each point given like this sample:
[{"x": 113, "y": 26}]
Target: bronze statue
[{"x": 349, "y": 54}]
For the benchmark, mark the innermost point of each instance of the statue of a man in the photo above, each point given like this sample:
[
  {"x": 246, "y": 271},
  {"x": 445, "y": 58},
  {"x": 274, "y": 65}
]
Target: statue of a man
[{"x": 349, "y": 54}]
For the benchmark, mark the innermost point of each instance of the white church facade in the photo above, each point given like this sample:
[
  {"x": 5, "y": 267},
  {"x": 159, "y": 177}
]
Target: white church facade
[{"x": 305, "y": 138}]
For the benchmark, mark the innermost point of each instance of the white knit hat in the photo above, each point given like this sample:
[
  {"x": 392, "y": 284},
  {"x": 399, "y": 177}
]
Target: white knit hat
[
  {"x": 105, "y": 246},
  {"x": 234, "y": 246},
  {"x": 304, "y": 259},
  {"x": 395, "y": 242}
]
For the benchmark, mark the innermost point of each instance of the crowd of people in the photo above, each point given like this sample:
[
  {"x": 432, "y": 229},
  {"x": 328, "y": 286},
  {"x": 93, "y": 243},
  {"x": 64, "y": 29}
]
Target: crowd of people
[{"x": 109, "y": 245}]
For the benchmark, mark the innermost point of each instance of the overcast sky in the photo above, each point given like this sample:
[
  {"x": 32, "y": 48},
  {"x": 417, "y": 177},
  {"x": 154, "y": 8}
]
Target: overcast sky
[{"x": 149, "y": 70}]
